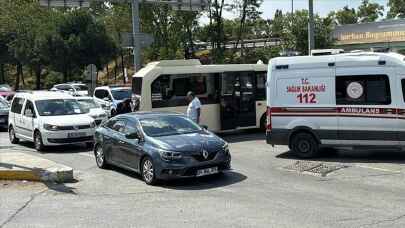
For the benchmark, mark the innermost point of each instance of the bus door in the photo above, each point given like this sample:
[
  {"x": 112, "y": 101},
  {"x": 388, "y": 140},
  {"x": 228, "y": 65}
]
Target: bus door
[
  {"x": 238, "y": 108},
  {"x": 246, "y": 100}
]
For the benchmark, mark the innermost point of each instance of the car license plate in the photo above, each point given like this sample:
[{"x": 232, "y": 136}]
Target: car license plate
[
  {"x": 208, "y": 171},
  {"x": 76, "y": 134}
]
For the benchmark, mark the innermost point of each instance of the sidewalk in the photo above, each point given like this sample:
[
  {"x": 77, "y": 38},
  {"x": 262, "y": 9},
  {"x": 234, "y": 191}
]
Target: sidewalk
[{"x": 21, "y": 166}]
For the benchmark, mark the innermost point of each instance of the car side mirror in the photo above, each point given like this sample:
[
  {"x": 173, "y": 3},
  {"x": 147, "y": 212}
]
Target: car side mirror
[
  {"x": 106, "y": 99},
  {"x": 205, "y": 127},
  {"x": 134, "y": 135}
]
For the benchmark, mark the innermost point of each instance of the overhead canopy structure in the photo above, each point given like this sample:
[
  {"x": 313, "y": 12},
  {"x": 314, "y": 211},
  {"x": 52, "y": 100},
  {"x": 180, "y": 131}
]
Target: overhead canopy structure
[{"x": 383, "y": 34}]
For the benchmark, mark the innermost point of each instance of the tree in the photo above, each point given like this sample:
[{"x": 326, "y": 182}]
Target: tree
[
  {"x": 26, "y": 23},
  {"x": 295, "y": 35},
  {"x": 397, "y": 9},
  {"x": 80, "y": 40},
  {"x": 119, "y": 21},
  {"x": 345, "y": 16},
  {"x": 248, "y": 13},
  {"x": 370, "y": 12}
]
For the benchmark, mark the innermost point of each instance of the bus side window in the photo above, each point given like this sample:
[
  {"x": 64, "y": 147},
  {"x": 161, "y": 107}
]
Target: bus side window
[{"x": 171, "y": 90}]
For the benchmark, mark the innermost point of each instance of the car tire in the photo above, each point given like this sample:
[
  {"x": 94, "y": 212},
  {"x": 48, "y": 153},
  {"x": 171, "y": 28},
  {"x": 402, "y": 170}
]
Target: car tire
[
  {"x": 38, "y": 143},
  {"x": 304, "y": 145},
  {"x": 148, "y": 171},
  {"x": 12, "y": 137},
  {"x": 100, "y": 157}
]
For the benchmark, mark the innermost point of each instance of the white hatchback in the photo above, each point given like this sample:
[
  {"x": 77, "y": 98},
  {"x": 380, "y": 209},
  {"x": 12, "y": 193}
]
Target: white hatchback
[
  {"x": 48, "y": 118},
  {"x": 95, "y": 110}
]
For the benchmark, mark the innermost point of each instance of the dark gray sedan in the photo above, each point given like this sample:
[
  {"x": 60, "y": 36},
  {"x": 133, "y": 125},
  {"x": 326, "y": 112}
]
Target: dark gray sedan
[{"x": 160, "y": 146}]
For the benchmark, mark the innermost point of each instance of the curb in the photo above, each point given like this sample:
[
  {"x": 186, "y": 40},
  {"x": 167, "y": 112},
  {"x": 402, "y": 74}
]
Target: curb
[
  {"x": 60, "y": 176},
  {"x": 22, "y": 166}
]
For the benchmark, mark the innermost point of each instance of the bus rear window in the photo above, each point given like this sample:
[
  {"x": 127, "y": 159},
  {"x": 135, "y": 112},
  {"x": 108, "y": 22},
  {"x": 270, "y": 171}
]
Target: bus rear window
[{"x": 137, "y": 85}]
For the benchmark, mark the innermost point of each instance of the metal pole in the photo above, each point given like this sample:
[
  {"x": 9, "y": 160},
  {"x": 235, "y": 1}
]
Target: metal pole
[
  {"x": 292, "y": 6},
  {"x": 135, "y": 33},
  {"x": 311, "y": 29}
]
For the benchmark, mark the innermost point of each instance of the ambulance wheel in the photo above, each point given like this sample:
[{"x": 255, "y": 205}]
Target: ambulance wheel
[{"x": 304, "y": 145}]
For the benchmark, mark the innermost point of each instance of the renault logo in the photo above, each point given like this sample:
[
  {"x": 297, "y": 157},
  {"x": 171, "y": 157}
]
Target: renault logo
[{"x": 205, "y": 154}]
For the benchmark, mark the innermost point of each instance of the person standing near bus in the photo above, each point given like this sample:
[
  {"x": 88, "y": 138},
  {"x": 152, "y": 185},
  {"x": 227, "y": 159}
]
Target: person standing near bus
[{"x": 194, "y": 107}]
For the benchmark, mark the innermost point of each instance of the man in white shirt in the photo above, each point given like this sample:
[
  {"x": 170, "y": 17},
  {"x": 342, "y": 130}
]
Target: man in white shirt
[{"x": 194, "y": 107}]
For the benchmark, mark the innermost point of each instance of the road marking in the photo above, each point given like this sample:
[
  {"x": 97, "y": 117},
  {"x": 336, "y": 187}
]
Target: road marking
[{"x": 379, "y": 169}]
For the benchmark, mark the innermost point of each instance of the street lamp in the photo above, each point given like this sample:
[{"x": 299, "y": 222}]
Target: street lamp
[{"x": 311, "y": 41}]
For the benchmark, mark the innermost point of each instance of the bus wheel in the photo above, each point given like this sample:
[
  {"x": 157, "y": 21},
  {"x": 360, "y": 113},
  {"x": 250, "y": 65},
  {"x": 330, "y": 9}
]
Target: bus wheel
[{"x": 304, "y": 145}]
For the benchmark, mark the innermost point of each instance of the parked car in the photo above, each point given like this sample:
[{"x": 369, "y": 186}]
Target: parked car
[
  {"x": 111, "y": 96},
  {"x": 6, "y": 92},
  {"x": 73, "y": 88},
  {"x": 95, "y": 110},
  {"x": 4, "y": 109},
  {"x": 49, "y": 118},
  {"x": 160, "y": 146}
]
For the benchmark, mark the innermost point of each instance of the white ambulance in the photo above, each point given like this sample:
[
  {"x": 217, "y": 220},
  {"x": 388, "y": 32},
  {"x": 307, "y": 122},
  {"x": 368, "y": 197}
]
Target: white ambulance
[{"x": 346, "y": 100}]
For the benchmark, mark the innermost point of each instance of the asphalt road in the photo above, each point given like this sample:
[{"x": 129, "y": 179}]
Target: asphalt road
[{"x": 367, "y": 190}]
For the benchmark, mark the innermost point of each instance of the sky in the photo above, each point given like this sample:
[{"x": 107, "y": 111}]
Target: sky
[{"x": 322, "y": 7}]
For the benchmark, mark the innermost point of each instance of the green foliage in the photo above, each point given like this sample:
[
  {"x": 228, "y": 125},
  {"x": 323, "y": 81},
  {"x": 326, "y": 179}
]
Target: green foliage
[
  {"x": 369, "y": 12},
  {"x": 80, "y": 40},
  {"x": 344, "y": 16},
  {"x": 397, "y": 9}
]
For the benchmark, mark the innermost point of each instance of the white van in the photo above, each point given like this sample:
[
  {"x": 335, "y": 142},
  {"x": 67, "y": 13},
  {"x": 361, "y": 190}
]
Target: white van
[
  {"x": 346, "y": 100},
  {"x": 49, "y": 118}
]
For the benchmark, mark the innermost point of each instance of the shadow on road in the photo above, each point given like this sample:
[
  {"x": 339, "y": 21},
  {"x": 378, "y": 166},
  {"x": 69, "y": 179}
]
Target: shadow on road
[
  {"x": 58, "y": 187},
  {"x": 200, "y": 183},
  {"x": 353, "y": 156},
  {"x": 208, "y": 182},
  {"x": 70, "y": 148},
  {"x": 243, "y": 136}
]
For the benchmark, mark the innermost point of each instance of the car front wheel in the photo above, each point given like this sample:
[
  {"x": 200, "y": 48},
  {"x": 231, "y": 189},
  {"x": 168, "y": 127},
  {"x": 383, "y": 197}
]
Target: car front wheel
[
  {"x": 39, "y": 145},
  {"x": 148, "y": 171},
  {"x": 100, "y": 157},
  {"x": 11, "y": 135}
]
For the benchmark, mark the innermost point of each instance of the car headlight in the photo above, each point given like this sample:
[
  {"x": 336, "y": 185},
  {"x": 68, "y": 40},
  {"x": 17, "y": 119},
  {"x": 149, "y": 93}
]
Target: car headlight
[
  {"x": 169, "y": 155},
  {"x": 51, "y": 127}
]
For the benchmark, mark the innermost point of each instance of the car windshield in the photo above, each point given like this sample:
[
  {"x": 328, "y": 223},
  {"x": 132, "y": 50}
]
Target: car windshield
[
  {"x": 59, "y": 107},
  {"x": 121, "y": 94},
  {"x": 81, "y": 87},
  {"x": 168, "y": 125},
  {"x": 88, "y": 103}
]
